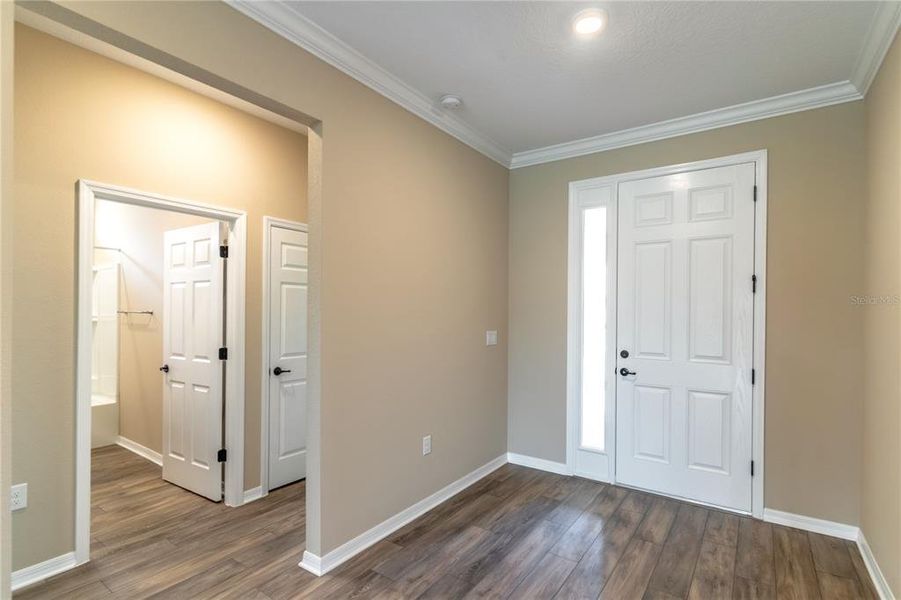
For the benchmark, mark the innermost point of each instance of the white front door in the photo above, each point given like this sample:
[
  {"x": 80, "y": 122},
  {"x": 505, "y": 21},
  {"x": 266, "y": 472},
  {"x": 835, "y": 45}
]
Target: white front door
[
  {"x": 193, "y": 332},
  {"x": 287, "y": 356},
  {"x": 685, "y": 319}
]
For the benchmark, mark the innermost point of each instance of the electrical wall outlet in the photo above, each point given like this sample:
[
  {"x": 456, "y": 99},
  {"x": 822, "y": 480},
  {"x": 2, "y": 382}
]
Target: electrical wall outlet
[
  {"x": 18, "y": 498},
  {"x": 427, "y": 445},
  {"x": 491, "y": 338}
]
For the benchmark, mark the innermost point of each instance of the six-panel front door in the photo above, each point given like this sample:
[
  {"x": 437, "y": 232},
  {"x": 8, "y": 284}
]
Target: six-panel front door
[
  {"x": 287, "y": 356},
  {"x": 685, "y": 320},
  {"x": 193, "y": 286}
]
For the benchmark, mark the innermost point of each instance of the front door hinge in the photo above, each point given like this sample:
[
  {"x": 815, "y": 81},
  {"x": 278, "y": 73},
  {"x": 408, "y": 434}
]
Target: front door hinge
[
  {"x": 223, "y": 353},
  {"x": 753, "y": 284},
  {"x": 752, "y": 468},
  {"x": 223, "y": 251},
  {"x": 222, "y": 455},
  {"x": 755, "y": 193},
  {"x": 753, "y": 376}
]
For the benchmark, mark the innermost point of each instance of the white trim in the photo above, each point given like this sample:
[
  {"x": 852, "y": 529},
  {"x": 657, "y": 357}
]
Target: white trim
[
  {"x": 253, "y": 494},
  {"x": 879, "y": 39},
  {"x": 876, "y": 575},
  {"x": 268, "y": 224},
  {"x": 758, "y": 390},
  {"x": 320, "y": 565},
  {"x": 43, "y": 570},
  {"x": 283, "y": 19},
  {"x": 818, "y": 97},
  {"x": 759, "y": 158},
  {"x": 142, "y": 451},
  {"x": 88, "y": 193},
  {"x": 538, "y": 463},
  {"x": 312, "y": 563},
  {"x": 839, "y": 530}
]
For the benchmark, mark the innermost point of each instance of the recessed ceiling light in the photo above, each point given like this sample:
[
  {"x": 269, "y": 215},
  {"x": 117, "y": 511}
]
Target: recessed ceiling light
[
  {"x": 590, "y": 21},
  {"x": 451, "y": 102}
]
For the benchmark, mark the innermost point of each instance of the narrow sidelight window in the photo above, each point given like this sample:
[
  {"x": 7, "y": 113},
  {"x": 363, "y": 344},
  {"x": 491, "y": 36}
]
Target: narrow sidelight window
[{"x": 594, "y": 327}]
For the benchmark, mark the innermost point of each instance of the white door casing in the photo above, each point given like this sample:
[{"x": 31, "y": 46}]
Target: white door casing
[
  {"x": 288, "y": 296},
  {"x": 685, "y": 315},
  {"x": 193, "y": 332}
]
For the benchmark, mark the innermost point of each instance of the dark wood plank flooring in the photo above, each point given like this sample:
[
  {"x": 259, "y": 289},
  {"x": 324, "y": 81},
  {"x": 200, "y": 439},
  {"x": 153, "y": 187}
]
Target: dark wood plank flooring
[{"x": 518, "y": 533}]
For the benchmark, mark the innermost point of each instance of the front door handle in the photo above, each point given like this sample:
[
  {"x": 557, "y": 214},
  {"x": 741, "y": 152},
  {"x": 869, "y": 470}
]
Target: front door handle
[
  {"x": 624, "y": 372},
  {"x": 278, "y": 371}
]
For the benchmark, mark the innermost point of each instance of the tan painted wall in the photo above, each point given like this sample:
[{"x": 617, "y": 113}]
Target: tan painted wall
[
  {"x": 881, "y": 509},
  {"x": 138, "y": 232},
  {"x": 79, "y": 115},
  {"x": 414, "y": 270},
  {"x": 814, "y": 335},
  {"x": 7, "y": 52}
]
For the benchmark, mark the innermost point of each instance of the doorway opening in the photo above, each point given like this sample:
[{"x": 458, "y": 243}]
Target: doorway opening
[
  {"x": 666, "y": 330},
  {"x": 155, "y": 271},
  {"x": 191, "y": 164}
]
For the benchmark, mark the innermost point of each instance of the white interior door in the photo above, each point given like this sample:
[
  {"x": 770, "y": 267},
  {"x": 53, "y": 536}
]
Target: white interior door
[
  {"x": 685, "y": 318},
  {"x": 193, "y": 332},
  {"x": 287, "y": 356}
]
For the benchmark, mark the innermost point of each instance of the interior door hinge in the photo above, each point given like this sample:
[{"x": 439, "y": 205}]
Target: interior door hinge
[
  {"x": 753, "y": 284},
  {"x": 222, "y": 455},
  {"x": 752, "y": 468},
  {"x": 755, "y": 193},
  {"x": 223, "y": 251},
  {"x": 753, "y": 376},
  {"x": 223, "y": 353}
]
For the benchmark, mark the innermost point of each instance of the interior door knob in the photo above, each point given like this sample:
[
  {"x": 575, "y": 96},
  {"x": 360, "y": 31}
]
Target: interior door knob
[
  {"x": 279, "y": 371},
  {"x": 624, "y": 371},
  {"x": 164, "y": 368}
]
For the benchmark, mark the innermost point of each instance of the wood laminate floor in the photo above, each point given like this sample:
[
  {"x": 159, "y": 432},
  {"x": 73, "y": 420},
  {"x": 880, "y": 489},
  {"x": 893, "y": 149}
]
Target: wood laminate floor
[{"x": 518, "y": 533}]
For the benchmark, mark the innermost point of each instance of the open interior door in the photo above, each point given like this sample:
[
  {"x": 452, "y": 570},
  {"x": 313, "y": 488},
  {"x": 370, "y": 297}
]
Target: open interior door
[{"x": 193, "y": 313}]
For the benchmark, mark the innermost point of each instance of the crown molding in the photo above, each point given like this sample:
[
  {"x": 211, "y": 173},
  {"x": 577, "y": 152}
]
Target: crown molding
[
  {"x": 883, "y": 28},
  {"x": 826, "y": 95},
  {"x": 281, "y": 18}
]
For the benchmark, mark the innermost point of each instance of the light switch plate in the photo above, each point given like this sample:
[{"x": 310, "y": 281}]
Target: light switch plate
[
  {"x": 427, "y": 445},
  {"x": 491, "y": 338},
  {"x": 18, "y": 498}
]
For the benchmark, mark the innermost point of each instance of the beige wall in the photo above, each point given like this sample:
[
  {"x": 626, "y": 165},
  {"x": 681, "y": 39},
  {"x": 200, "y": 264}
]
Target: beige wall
[
  {"x": 6, "y": 189},
  {"x": 138, "y": 232},
  {"x": 413, "y": 257},
  {"x": 79, "y": 115},
  {"x": 814, "y": 335},
  {"x": 881, "y": 508}
]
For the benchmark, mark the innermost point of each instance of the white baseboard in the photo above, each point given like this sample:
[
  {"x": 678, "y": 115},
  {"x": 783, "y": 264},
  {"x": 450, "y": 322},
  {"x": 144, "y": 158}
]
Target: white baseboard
[
  {"x": 43, "y": 570},
  {"x": 320, "y": 565},
  {"x": 312, "y": 563},
  {"x": 253, "y": 494},
  {"x": 538, "y": 463},
  {"x": 142, "y": 451},
  {"x": 879, "y": 580},
  {"x": 839, "y": 530}
]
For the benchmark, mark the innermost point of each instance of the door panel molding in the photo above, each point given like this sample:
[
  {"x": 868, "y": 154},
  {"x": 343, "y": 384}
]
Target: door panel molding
[
  {"x": 88, "y": 193},
  {"x": 268, "y": 224},
  {"x": 706, "y": 205}
]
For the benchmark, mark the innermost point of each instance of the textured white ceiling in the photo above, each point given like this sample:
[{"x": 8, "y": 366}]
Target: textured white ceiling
[{"x": 528, "y": 82}]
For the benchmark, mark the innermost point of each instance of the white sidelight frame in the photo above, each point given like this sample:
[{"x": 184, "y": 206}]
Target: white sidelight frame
[
  {"x": 88, "y": 193},
  {"x": 600, "y": 191},
  {"x": 268, "y": 224},
  {"x": 588, "y": 462}
]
